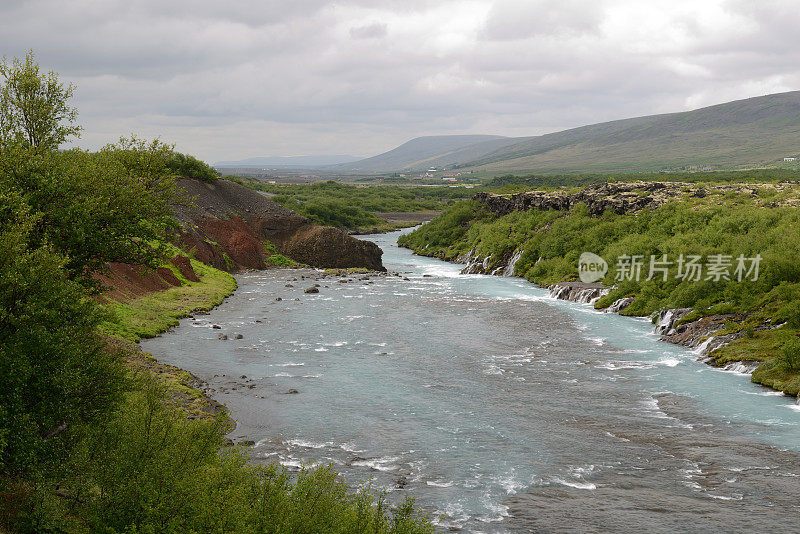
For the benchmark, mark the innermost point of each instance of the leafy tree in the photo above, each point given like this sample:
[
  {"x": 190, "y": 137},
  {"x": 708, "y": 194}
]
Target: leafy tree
[
  {"x": 34, "y": 109},
  {"x": 147, "y": 161},
  {"x": 55, "y": 373},
  {"x": 90, "y": 209}
]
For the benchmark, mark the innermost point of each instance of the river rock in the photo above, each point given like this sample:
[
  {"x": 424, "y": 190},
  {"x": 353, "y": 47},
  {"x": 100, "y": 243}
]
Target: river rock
[
  {"x": 238, "y": 336},
  {"x": 312, "y": 289},
  {"x": 222, "y": 337}
]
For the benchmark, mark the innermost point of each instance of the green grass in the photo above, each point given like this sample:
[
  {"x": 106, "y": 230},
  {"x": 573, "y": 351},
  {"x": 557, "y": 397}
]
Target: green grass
[
  {"x": 772, "y": 374},
  {"x": 354, "y": 207},
  {"x": 149, "y": 315}
]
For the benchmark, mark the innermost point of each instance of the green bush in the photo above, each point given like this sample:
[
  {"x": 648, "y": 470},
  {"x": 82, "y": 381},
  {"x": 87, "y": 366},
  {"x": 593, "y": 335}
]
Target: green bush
[
  {"x": 55, "y": 374},
  {"x": 188, "y": 166},
  {"x": 89, "y": 208},
  {"x": 280, "y": 260},
  {"x": 789, "y": 356},
  {"x": 151, "y": 470}
]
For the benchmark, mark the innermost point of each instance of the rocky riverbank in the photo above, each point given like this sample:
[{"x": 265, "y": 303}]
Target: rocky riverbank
[{"x": 702, "y": 335}]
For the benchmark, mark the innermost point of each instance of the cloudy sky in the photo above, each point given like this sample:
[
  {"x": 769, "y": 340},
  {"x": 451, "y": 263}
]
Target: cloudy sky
[{"x": 229, "y": 80}]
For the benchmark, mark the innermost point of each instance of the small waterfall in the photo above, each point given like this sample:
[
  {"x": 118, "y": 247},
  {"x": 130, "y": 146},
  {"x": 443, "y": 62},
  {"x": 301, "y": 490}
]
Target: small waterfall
[
  {"x": 745, "y": 368},
  {"x": 667, "y": 319},
  {"x": 583, "y": 295},
  {"x": 700, "y": 350},
  {"x": 509, "y": 270},
  {"x": 619, "y": 305}
]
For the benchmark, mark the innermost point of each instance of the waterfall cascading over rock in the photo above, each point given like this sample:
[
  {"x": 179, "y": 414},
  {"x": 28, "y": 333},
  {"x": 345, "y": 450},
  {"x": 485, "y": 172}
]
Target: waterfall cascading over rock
[
  {"x": 578, "y": 292},
  {"x": 666, "y": 319},
  {"x": 512, "y": 263}
]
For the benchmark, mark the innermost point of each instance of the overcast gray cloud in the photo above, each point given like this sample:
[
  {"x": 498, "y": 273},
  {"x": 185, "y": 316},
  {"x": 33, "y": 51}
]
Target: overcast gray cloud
[{"x": 253, "y": 78}]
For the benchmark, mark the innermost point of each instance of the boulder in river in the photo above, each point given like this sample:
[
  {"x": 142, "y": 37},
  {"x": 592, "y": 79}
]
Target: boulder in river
[{"x": 312, "y": 290}]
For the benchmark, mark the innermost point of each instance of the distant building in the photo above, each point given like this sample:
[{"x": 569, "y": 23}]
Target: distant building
[{"x": 789, "y": 159}]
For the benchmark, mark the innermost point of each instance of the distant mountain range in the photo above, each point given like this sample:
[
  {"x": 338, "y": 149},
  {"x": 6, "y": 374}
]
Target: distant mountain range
[
  {"x": 756, "y": 131},
  {"x": 288, "y": 161}
]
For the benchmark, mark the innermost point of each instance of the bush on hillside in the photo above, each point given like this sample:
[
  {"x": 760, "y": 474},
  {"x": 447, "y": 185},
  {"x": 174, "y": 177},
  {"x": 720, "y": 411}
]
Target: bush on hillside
[{"x": 189, "y": 166}]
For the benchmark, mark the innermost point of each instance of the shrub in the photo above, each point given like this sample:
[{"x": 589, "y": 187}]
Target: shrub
[
  {"x": 151, "y": 470},
  {"x": 190, "y": 167},
  {"x": 789, "y": 355},
  {"x": 55, "y": 374},
  {"x": 281, "y": 261}
]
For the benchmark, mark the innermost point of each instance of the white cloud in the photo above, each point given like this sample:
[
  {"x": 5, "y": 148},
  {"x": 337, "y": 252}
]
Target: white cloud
[{"x": 249, "y": 78}]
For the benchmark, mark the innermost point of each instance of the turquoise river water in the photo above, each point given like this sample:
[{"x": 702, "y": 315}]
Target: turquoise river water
[{"x": 499, "y": 408}]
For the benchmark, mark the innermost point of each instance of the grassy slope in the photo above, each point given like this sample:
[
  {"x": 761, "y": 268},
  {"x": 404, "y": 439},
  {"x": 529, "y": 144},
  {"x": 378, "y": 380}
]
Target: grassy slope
[
  {"x": 149, "y": 315},
  {"x": 419, "y": 152},
  {"x": 746, "y": 133},
  {"x": 725, "y": 223},
  {"x": 750, "y": 132}
]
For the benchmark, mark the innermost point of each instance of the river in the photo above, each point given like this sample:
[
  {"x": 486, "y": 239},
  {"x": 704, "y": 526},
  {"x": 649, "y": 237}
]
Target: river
[{"x": 497, "y": 407}]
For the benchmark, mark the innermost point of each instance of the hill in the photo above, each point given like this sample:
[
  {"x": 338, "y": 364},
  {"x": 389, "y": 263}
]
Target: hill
[
  {"x": 752, "y": 132},
  {"x": 424, "y": 152}
]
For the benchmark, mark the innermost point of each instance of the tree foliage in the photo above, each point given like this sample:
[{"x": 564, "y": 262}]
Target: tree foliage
[
  {"x": 55, "y": 373},
  {"x": 89, "y": 209},
  {"x": 34, "y": 108}
]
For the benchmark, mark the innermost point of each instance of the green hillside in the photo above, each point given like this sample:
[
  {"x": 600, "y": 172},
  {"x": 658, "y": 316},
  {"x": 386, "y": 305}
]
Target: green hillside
[
  {"x": 755, "y": 132},
  {"x": 420, "y": 153}
]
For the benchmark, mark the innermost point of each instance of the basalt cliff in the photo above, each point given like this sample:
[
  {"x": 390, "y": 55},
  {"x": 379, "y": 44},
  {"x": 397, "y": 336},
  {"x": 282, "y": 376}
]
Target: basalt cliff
[{"x": 618, "y": 197}]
